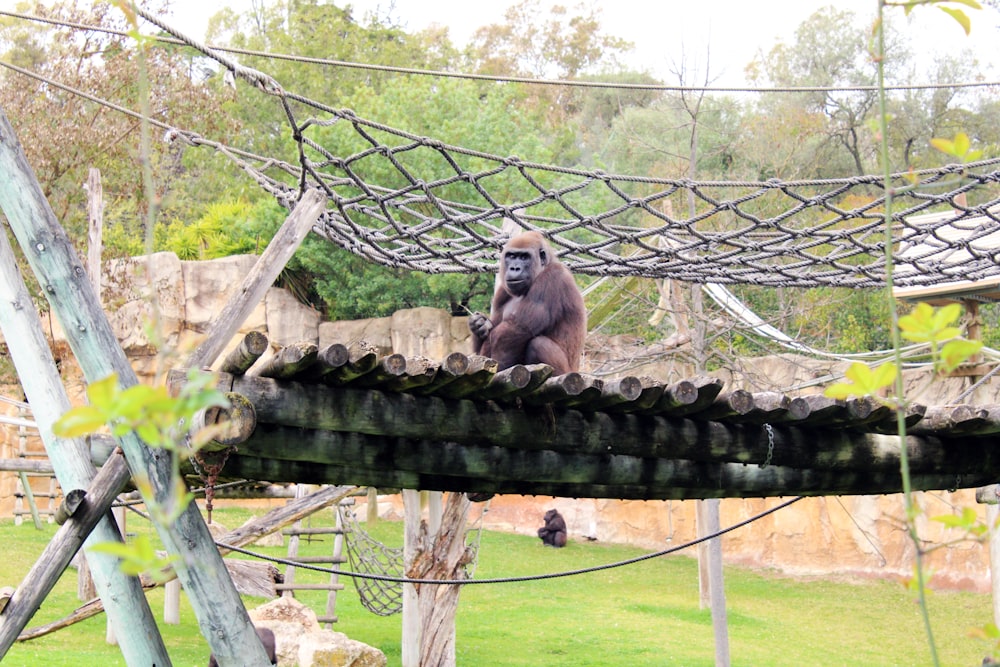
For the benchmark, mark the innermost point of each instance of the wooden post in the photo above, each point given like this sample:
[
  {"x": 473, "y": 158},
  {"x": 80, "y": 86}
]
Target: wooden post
[
  {"x": 71, "y": 463},
  {"x": 371, "y": 514},
  {"x": 95, "y": 233},
  {"x": 716, "y": 587},
  {"x": 435, "y": 510},
  {"x": 411, "y": 609},
  {"x": 218, "y": 607},
  {"x": 989, "y": 496},
  {"x": 281, "y": 248},
  {"x": 172, "y": 602}
]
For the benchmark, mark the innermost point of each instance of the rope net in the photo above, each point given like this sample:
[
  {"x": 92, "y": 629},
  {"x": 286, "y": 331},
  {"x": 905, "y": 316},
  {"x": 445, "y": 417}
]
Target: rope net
[
  {"x": 413, "y": 202},
  {"x": 368, "y": 556}
]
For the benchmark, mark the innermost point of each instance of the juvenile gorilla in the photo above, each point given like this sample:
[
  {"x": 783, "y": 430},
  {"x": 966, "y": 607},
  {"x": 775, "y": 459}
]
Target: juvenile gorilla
[
  {"x": 537, "y": 315},
  {"x": 553, "y": 533}
]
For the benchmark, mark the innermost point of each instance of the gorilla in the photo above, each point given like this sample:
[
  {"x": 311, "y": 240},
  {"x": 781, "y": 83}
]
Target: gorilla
[
  {"x": 537, "y": 315},
  {"x": 553, "y": 533}
]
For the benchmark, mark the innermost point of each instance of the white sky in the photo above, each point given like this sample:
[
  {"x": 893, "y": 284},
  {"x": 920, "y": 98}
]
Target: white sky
[{"x": 729, "y": 32}]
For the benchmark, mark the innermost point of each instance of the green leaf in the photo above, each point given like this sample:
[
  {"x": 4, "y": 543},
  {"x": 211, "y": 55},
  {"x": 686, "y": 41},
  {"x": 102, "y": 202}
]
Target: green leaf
[
  {"x": 103, "y": 392},
  {"x": 960, "y": 16},
  {"x": 988, "y": 631},
  {"x": 959, "y": 147},
  {"x": 966, "y": 520},
  {"x": 925, "y": 324},
  {"x": 80, "y": 421},
  {"x": 956, "y": 352},
  {"x": 863, "y": 381}
]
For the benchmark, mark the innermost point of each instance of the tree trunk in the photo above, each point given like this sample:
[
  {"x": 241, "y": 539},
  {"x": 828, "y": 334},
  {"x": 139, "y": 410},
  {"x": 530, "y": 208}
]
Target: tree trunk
[{"x": 441, "y": 556}]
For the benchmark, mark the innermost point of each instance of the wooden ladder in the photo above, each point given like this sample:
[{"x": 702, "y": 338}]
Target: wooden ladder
[{"x": 337, "y": 558}]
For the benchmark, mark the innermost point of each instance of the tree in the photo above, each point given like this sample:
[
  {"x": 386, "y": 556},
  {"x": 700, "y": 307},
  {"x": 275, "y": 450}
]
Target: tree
[
  {"x": 66, "y": 134},
  {"x": 829, "y": 51},
  {"x": 530, "y": 45}
]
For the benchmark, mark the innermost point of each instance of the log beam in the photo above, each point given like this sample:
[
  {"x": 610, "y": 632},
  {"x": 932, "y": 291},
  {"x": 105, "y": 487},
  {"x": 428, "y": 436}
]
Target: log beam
[{"x": 720, "y": 481}]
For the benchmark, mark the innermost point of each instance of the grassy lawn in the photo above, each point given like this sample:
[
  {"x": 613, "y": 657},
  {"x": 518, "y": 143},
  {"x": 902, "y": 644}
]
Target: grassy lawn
[{"x": 641, "y": 615}]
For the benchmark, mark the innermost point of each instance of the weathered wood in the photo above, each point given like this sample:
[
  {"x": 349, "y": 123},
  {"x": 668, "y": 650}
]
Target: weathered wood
[
  {"x": 479, "y": 373},
  {"x": 95, "y": 234},
  {"x": 253, "y": 578},
  {"x": 60, "y": 550},
  {"x": 387, "y": 368},
  {"x": 564, "y": 389},
  {"x": 362, "y": 358},
  {"x": 616, "y": 392},
  {"x": 70, "y": 504},
  {"x": 55, "y": 263},
  {"x": 704, "y": 481},
  {"x": 516, "y": 381},
  {"x": 731, "y": 404},
  {"x": 478, "y": 423},
  {"x": 40, "y": 466},
  {"x": 69, "y": 458},
  {"x": 689, "y": 397},
  {"x": 236, "y": 423},
  {"x": 824, "y": 410},
  {"x": 243, "y": 356},
  {"x": 329, "y": 359},
  {"x": 419, "y": 372},
  {"x": 263, "y": 274},
  {"x": 410, "y": 644},
  {"x": 6, "y": 593},
  {"x": 251, "y": 531},
  {"x": 773, "y": 408},
  {"x": 609, "y": 467},
  {"x": 649, "y": 396},
  {"x": 451, "y": 368},
  {"x": 289, "y": 361},
  {"x": 309, "y": 587},
  {"x": 958, "y": 419},
  {"x": 81, "y": 613}
]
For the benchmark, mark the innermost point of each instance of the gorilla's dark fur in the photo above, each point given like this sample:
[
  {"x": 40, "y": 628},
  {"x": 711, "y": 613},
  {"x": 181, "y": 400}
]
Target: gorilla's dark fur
[{"x": 553, "y": 533}]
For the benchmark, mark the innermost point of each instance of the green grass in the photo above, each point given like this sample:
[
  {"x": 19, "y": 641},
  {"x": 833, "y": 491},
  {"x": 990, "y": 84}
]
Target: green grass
[{"x": 642, "y": 615}]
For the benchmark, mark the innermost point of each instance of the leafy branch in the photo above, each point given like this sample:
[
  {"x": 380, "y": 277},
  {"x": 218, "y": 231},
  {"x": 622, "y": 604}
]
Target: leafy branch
[{"x": 161, "y": 421}]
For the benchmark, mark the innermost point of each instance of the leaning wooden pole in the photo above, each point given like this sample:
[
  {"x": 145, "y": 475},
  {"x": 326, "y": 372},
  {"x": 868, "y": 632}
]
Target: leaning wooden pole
[
  {"x": 263, "y": 274},
  {"x": 221, "y": 615},
  {"x": 71, "y": 462}
]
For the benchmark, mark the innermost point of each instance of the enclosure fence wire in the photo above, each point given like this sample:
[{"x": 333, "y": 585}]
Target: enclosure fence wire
[{"x": 526, "y": 578}]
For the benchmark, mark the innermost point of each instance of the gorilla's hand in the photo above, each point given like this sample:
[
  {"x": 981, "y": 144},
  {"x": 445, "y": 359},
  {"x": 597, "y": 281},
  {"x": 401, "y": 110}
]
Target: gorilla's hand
[{"x": 480, "y": 325}]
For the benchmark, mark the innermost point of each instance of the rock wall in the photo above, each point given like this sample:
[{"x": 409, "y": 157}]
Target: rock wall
[{"x": 854, "y": 535}]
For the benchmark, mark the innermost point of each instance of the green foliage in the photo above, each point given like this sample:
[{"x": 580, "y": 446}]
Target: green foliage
[
  {"x": 212, "y": 235},
  {"x": 137, "y": 557},
  {"x": 151, "y": 412},
  {"x": 924, "y": 324},
  {"x": 959, "y": 147},
  {"x": 161, "y": 421},
  {"x": 863, "y": 381},
  {"x": 842, "y": 320}
]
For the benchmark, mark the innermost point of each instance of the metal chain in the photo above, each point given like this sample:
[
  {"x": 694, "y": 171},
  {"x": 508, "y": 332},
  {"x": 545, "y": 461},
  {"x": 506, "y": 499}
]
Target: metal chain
[{"x": 770, "y": 446}]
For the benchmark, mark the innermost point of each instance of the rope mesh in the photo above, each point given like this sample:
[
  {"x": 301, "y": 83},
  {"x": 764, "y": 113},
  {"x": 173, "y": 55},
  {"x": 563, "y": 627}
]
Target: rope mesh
[
  {"x": 407, "y": 201},
  {"x": 412, "y": 202},
  {"x": 367, "y": 556}
]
